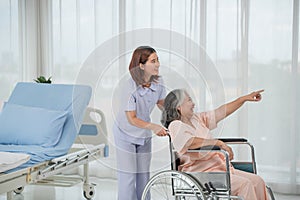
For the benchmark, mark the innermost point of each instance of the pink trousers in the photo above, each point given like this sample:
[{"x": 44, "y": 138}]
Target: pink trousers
[{"x": 247, "y": 185}]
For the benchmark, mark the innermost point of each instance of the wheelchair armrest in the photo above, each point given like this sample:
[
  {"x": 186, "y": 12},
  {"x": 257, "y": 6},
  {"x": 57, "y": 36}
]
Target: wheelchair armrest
[
  {"x": 210, "y": 147},
  {"x": 233, "y": 139},
  {"x": 242, "y": 141}
]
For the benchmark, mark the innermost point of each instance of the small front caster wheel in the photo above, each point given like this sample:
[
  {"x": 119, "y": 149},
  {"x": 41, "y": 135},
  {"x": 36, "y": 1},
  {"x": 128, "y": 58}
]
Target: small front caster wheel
[
  {"x": 88, "y": 191},
  {"x": 19, "y": 190}
]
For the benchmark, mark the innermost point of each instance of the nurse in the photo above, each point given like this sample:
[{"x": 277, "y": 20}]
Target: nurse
[{"x": 133, "y": 128}]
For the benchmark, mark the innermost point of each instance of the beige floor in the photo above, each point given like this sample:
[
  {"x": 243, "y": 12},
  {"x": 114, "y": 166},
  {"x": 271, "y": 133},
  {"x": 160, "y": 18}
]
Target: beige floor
[{"x": 106, "y": 189}]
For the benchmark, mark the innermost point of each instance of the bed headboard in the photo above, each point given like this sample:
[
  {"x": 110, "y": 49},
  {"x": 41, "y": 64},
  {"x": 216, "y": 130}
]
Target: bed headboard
[{"x": 71, "y": 98}]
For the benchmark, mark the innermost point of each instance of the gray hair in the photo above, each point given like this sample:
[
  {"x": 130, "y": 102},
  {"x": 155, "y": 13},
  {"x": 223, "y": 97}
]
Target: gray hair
[{"x": 170, "y": 113}]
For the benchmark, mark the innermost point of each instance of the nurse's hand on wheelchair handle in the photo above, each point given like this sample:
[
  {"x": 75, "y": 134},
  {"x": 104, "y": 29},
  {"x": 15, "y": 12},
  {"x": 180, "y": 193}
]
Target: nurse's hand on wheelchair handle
[{"x": 160, "y": 130}]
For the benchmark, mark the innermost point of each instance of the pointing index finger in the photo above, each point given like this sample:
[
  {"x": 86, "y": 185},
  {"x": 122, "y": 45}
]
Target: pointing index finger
[{"x": 260, "y": 91}]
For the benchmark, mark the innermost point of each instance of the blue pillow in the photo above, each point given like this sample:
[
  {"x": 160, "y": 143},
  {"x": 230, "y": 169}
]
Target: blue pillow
[{"x": 22, "y": 125}]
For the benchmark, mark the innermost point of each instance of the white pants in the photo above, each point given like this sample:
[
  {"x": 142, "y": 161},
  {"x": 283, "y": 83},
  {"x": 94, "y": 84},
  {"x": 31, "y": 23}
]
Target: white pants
[{"x": 133, "y": 163}]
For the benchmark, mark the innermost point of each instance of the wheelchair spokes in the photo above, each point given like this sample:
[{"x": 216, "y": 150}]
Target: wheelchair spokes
[{"x": 172, "y": 185}]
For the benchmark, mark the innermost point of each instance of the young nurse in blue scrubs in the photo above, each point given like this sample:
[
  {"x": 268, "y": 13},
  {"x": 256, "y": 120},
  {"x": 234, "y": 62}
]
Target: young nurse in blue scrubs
[{"x": 133, "y": 128}]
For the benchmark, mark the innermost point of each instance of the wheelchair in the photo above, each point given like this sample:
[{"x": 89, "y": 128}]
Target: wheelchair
[{"x": 173, "y": 184}]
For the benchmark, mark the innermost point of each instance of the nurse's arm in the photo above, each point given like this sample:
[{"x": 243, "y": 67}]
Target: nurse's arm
[
  {"x": 160, "y": 104},
  {"x": 135, "y": 121}
]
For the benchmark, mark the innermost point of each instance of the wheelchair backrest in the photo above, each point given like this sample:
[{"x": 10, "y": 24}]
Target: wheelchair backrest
[{"x": 175, "y": 161}]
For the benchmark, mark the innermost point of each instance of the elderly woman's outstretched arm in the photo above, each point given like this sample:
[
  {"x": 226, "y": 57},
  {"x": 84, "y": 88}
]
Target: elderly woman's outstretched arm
[{"x": 227, "y": 109}]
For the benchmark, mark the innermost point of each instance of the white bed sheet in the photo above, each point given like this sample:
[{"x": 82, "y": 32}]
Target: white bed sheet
[{"x": 12, "y": 160}]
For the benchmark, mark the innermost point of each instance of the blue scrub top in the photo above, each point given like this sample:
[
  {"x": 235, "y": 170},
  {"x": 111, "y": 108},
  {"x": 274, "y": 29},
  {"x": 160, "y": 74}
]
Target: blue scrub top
[{"x": 139, "y": 99}]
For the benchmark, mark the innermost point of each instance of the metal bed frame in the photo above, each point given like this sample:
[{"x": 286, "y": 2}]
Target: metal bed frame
[{"x": 43, "y": 173}]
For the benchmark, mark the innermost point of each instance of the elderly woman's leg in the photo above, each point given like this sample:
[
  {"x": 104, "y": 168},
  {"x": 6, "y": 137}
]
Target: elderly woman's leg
[{"x": 249, "y": 186}]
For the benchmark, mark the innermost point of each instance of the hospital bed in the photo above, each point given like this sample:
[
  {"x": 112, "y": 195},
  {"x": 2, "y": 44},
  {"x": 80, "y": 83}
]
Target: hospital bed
[
  {"x": 43, "y": 121},
  {"x": 173, "y": 184}
]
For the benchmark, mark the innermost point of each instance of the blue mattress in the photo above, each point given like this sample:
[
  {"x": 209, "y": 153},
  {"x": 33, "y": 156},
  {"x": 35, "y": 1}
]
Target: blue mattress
[{"x": 70, "y": 98}]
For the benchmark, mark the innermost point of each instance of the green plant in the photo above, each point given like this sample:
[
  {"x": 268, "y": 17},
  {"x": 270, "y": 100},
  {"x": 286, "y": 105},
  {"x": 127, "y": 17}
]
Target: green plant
[{"x": 42, "y": 79}]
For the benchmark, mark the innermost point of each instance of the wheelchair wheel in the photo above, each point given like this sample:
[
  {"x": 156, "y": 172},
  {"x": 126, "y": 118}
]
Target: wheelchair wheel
[{"x": 173, "y": 185}]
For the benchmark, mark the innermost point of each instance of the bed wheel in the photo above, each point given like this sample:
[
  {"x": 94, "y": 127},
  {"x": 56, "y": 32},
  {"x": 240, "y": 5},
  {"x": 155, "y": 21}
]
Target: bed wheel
[
  {"x": 88, "y": 191},
  {"x": 19, "y": 190}
]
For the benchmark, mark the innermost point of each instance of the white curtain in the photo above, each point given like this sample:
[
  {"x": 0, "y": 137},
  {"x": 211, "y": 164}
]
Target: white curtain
[
  {"x": 273, "y": 64},
  {"x": 26, "y": 47},
  {"x": 249, "y": 43},
  {"x": 10, "y": 70}
]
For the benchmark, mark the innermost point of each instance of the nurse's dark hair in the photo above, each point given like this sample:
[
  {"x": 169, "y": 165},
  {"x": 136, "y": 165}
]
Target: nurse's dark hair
[
  {"x": 140, "y": 56},
  {"x": 172, "y": 101}
]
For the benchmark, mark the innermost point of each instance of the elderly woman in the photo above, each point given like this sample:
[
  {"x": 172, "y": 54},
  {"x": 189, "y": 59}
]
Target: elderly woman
[{"x": 190, "y": 130}]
